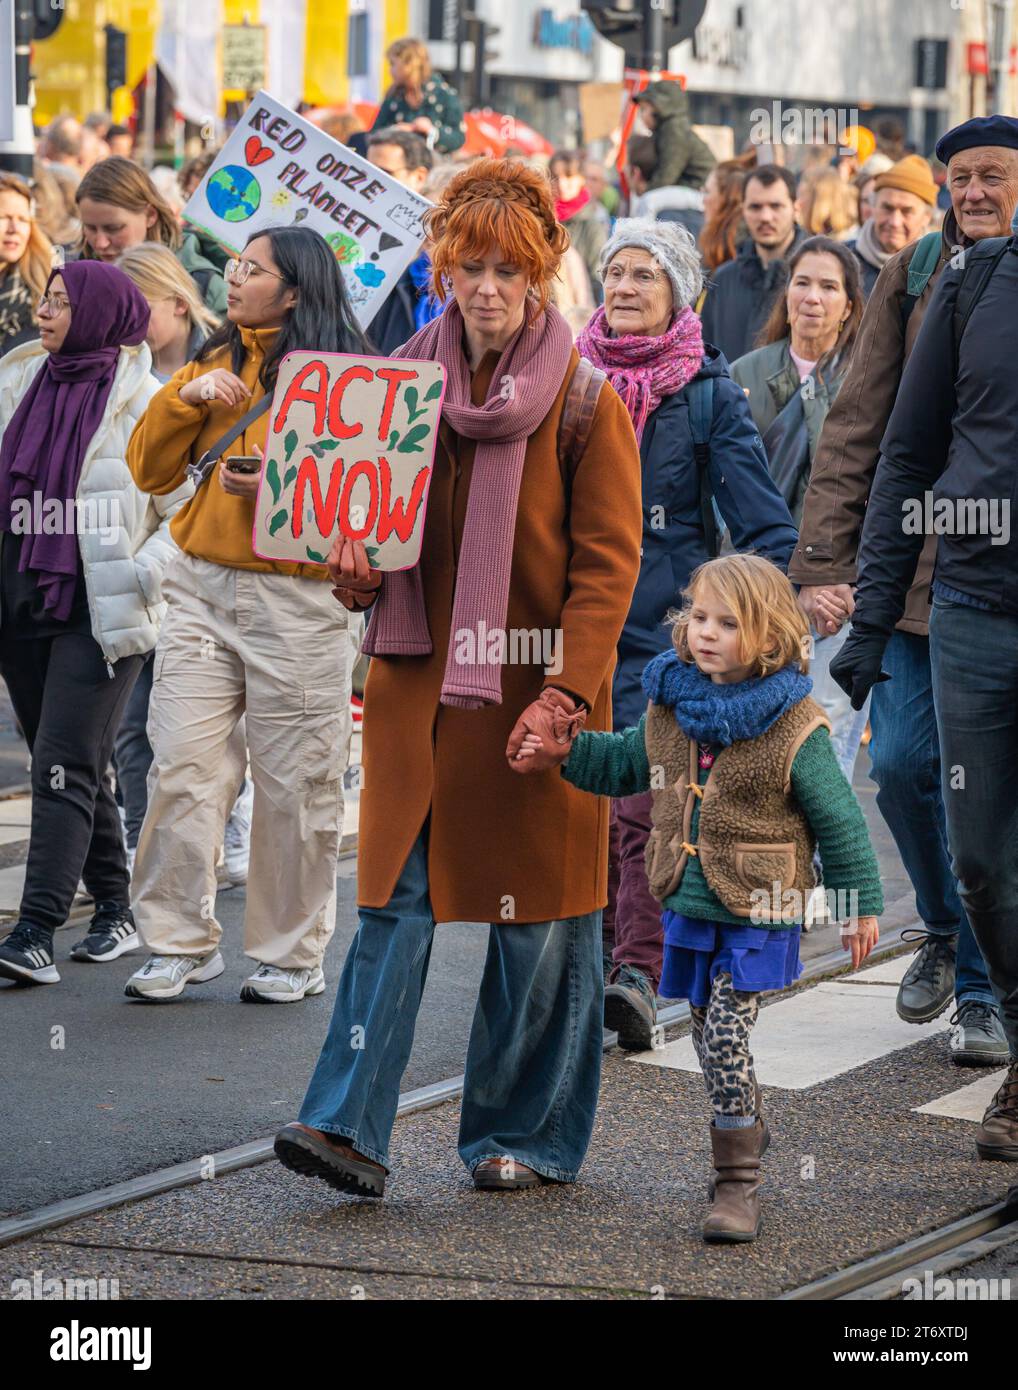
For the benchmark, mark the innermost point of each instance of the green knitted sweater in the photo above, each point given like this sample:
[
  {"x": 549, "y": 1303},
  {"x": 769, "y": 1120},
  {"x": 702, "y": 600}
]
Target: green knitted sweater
[{"x": 616, "y": 765}]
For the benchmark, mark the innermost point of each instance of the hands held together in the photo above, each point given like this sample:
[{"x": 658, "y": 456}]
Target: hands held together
[{"x": 544, "y": 733}]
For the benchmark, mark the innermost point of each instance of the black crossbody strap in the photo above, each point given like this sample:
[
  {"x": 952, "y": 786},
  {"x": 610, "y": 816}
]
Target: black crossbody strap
[{"x": 200, "y": 471}]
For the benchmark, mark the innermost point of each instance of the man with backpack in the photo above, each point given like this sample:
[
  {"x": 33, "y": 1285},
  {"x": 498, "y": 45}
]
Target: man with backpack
[{"x": 982, "y": 160}]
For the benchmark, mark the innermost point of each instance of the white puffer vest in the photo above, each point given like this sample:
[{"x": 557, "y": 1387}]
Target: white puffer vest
[{"x": 125, "y": 557}]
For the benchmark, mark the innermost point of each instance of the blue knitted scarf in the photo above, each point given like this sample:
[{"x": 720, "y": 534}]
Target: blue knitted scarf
[{"x": 722, "y": 714}]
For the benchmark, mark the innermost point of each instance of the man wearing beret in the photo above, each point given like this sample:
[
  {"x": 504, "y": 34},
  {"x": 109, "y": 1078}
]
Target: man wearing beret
[
  {"x": 904, "y": 197},
  {"x": 982, "y": 160}
]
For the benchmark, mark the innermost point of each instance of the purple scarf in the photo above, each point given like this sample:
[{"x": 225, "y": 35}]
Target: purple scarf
[
  {"x": 535, "y": 362},
  {"x": 645, "y": 370},
  {"x": 46, "y": 439}
]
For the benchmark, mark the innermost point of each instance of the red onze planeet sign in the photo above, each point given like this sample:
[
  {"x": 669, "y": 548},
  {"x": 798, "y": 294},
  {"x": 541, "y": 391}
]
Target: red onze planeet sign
[{"x": 350, "y": 450}]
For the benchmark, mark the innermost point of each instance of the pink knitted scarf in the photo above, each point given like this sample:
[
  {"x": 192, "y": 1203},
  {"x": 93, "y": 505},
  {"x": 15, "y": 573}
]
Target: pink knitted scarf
[
  {"x": 645, "y": 370},
  {"x": 524, "y": 384}
]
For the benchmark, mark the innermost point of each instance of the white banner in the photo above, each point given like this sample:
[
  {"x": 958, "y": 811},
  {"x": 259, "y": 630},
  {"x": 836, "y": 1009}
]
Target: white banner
[
  {"x": 278, "y": 170},
  {"x": 7, "y": 70}
]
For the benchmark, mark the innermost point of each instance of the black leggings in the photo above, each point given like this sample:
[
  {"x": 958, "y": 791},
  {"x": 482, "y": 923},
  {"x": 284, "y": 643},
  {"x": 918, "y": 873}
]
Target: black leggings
[{"x": 69, "y": 708}]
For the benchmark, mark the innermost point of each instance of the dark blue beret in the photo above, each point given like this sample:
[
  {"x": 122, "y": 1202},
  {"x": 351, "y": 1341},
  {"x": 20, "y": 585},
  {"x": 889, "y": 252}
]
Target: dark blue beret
[{"x": 981, "y": 130}]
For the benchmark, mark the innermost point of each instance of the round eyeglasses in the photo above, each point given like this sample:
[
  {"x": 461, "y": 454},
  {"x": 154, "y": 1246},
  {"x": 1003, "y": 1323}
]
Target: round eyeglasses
[{"x": 238, "y": 271}]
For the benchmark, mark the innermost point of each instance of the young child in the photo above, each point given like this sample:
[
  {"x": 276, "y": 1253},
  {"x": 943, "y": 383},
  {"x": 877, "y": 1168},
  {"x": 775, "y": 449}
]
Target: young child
[{"x": 745, "y": 787}]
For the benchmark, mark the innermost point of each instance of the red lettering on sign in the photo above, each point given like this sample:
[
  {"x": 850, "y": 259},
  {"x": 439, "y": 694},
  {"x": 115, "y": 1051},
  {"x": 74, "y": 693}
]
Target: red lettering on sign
[
  {"x": 363, "y": 468},
  {"x": 296, "y": 392},
  {"x": 325, "y": 510},
  {"x": 394, "y": 514},
  {"x": 338, "y": 427},
  {"x": 394, "y": 377}
]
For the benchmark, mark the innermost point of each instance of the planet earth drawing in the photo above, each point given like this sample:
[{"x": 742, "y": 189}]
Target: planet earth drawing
[{"x": 234, "y": 194}]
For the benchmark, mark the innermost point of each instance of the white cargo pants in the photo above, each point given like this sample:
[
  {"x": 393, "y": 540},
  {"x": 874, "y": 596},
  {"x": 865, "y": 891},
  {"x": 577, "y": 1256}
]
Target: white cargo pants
[{"x": 274, "y": 648}]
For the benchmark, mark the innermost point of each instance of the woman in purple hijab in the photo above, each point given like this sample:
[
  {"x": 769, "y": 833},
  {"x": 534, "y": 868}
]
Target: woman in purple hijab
[{"x": 81, "y": 557}]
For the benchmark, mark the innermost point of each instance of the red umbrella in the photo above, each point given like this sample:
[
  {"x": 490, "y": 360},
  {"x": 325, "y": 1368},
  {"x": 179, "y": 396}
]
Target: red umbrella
[{"x": 491, "y": 133}]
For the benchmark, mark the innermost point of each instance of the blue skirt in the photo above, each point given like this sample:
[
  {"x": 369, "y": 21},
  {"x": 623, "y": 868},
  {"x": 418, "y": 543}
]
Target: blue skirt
[{"x": 757, "y": 958}]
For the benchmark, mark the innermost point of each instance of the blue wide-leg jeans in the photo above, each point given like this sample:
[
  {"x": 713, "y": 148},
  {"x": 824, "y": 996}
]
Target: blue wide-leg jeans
[{"x": 533, "y": 1063}]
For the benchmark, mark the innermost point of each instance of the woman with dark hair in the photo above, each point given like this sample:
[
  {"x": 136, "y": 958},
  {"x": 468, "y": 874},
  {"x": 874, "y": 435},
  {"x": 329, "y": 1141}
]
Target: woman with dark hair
[
  {"x": 808, "y": 337},
  {"x": 120, "y": 207},
  {"x": 243, "y": 635},
  {"x": 791, "y": 381}
]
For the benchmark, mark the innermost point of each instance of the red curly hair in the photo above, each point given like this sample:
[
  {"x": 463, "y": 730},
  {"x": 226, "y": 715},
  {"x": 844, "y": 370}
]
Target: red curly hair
[{"x": 503, "y": 203}]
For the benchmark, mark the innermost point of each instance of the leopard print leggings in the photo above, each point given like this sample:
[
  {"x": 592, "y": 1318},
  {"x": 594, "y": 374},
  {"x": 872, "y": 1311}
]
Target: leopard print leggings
[{"x": 721, "y": 1039}]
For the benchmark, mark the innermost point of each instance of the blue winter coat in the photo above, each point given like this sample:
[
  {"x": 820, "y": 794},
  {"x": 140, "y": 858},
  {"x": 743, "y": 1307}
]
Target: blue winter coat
[{"x": 673, "y": 539}]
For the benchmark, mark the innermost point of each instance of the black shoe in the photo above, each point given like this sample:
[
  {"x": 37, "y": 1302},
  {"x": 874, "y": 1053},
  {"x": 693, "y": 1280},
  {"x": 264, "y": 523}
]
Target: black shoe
[
  {"x": 111, "y": 933},
  {"x": 308, "y": 1152},
  {"x": 26, "y": 957},
  {"x": 927, "y": 987},
  {"x": 630, "y": 1009}
]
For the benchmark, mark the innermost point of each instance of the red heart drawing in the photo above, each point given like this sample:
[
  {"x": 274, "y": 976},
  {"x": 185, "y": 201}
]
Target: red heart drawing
[{"x": 255, "y": 152}]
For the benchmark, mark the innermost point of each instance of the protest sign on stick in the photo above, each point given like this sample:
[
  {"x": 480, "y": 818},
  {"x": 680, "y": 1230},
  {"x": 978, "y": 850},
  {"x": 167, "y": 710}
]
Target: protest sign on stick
[
  {"x": 350, "y": 449},
  {"x": 278, "y": 170}
]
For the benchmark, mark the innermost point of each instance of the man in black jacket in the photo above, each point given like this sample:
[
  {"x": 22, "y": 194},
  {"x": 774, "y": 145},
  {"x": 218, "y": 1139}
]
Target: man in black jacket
[
  {"x": 404, "y": 155},
  {"x": 948, "y": 466},
  {"x": 743, "y": 291}
]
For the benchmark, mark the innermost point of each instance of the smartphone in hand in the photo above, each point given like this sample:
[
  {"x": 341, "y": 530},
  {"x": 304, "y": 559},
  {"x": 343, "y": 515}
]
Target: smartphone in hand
[{"x": 243, "y": 463}]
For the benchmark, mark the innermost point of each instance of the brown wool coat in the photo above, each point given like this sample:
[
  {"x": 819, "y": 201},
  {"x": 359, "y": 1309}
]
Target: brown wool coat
[{"x": 503, "y": 846}]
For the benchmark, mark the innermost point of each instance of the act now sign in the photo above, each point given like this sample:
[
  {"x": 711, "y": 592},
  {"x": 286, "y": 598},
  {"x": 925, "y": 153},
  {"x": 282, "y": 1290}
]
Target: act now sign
[{"x": 350, "y": 450}]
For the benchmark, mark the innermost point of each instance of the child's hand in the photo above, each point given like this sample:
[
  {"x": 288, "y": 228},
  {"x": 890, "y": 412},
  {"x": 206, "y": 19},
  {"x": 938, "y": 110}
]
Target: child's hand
[
  {"x": 859, "y": 937},
  {"x": 523, "y": 761}
]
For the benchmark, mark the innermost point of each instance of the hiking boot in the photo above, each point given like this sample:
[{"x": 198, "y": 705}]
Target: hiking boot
[
  {"x": 735, "y": 1188},
  {"x": 997, "y": 1136},
  {"x": 111, "y": 934},
  {"x": 928, "y": 984},
  {"x": 26, "y": 956},
  {"x": 630, "y": 1009},
  {"x": 977, "y": 1036},
  {"x": 315, "y": 1154}
]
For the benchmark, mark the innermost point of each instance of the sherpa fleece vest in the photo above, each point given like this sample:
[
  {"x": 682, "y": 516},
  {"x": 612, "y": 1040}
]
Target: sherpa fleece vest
[{"x": 752, "y": 834}]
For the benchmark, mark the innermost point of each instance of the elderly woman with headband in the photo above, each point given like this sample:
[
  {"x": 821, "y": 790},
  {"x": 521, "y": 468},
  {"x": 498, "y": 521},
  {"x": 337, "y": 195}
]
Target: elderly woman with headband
[
  {"x": 702, "y": 463},
  {"x": 531, "y": 530}
]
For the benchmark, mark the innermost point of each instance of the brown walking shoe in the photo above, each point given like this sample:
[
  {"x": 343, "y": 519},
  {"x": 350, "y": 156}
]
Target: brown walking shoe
[
  {"x": 315, "y": 1154},
  {"x": 505, "y": 1175},
  {"x": 997, "y": 1136},
  {"x": 735, "y": 1187}
]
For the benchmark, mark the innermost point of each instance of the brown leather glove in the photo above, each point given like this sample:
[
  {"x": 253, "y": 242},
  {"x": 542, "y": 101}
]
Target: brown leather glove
[{"x": 557, "y": 718}]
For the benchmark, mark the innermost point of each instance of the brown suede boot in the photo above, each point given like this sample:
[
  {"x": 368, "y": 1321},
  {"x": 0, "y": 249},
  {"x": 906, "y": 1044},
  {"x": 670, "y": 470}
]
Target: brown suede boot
[
  {"x": 735, "y": 1209},
  {"x": 997, "y": 1136}
]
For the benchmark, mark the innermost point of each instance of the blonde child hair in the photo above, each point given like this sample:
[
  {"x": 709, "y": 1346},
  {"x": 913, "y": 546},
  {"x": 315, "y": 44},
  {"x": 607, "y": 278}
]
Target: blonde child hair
[
  {"x": 773, "y": 631},
  {"x": 159, "y": 275}
]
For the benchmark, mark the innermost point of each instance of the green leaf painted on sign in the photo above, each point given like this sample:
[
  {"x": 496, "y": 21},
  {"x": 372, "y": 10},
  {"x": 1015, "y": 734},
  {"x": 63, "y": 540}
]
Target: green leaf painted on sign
[
  {"x": 434, "y": 391},
  {"x": 278, "y": 520},
  {"x": 411, "y": 443},
  {"x": 290, "y": 443},
  {"x": 328, "y": 444},
  {"x": 314, "y": 555},
  {"x": 410, "y": 396},
  {"x": 393, "y": 439},
  {"x": 272, "y": 478},
  {"x": 289, "y": 475}
]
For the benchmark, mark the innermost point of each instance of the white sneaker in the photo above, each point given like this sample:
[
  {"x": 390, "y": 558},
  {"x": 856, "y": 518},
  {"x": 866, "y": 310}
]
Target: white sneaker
[
  {"x": 164, "y": 977},
  {"x": 271, "y": 985},
  {"x": 237, "y": 841}
]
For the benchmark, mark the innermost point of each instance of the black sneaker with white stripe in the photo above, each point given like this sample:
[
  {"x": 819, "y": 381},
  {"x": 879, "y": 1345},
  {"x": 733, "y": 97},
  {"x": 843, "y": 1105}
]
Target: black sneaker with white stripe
[
  {"x": 111, "y": 933},
  {"x": 26, "y": 957}
]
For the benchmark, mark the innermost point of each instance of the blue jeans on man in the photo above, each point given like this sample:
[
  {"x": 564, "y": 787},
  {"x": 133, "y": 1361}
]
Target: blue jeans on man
[
  {"x": 974, "y": 657},
  {"x": 906, "y": 753},
  {"x": 533, "y": 1064}
]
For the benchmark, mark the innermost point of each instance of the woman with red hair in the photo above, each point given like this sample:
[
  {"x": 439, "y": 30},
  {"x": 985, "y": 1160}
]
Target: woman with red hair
[{"x": 507, "y": 624}]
